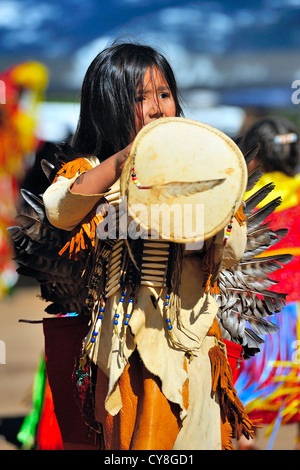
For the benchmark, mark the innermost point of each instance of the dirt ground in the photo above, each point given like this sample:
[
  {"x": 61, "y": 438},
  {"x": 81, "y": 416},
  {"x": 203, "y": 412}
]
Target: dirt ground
[{"x": 24, "y": 344}]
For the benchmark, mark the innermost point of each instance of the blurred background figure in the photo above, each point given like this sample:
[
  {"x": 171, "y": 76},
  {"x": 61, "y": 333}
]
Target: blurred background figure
[
  {"x": 23, "y": 86},
  {"x": 268, "y": 383}
]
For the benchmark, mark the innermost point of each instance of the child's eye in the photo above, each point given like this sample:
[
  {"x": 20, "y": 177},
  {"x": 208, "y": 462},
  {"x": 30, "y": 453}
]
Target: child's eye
[
  {"x": 139, "y": 98},
  {"x": 164, "y": 95}
]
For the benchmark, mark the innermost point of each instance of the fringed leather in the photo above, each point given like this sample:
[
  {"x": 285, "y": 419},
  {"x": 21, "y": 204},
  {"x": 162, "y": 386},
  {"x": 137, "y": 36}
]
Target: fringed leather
[
  {"x": 234, "y": 419},
  {"x": 70, "y": 169},
  {"x": 210, "y": 269},
  {"x": 83, "y": 237},
  {"x": 214, "y": 289},
  {"x": 240, "y": 216}
]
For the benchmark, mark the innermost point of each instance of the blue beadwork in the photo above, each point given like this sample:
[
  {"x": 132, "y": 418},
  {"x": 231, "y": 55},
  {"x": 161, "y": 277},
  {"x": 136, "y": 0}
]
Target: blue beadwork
[
  {"x": 168, "y": 320},
  {"x": 115, "y": 322},
  {"x": 126, "y": 322}
]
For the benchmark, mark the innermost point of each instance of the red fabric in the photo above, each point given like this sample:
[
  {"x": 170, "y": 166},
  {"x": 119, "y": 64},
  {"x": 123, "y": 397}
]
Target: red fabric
[
  {"x": 234, "y": 352},
  {"x": 48, "y": 435},
  {"x": 63, "y": 341},
  {"x": 289, "y": 275}
]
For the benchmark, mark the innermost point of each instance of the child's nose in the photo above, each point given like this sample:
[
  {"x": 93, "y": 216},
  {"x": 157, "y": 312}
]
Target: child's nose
[{"x": 155, "y": 108}]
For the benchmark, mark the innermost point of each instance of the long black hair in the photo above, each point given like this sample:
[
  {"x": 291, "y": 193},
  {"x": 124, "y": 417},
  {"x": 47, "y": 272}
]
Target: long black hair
[
  {"x": 108, "y": 97},
  {"x": 279, "y": 141}
]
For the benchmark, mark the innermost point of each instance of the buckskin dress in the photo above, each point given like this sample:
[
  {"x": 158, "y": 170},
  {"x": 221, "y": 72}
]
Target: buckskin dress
[{"x": 150, "y": 393}]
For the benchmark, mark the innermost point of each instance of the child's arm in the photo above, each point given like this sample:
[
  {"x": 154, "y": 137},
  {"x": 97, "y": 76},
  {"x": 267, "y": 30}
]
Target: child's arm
[
  {"x": 102, "y": 177},
  {"x": 67, "y": 202}
]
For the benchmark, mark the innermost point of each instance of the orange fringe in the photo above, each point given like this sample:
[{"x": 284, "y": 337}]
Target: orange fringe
[
  {"x": 83, "y": 237},
  {"x": 210, "y": 270},
  {"x": 240, "y": 216},
  {"x": 234, "y": 419},
  {"x": 70, "y": 169}
]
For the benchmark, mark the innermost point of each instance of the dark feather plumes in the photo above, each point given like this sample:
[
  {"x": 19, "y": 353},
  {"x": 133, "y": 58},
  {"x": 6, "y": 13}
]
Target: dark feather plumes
[
  {"x": 37, "y": 244},
  {"x": 246, "y": 300}
]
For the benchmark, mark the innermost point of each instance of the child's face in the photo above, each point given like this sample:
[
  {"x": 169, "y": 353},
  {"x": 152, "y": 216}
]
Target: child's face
[{"x": 155, "y": 100}]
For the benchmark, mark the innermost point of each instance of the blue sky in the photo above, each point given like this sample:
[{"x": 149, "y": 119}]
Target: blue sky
[
  {"x": 58, "y": 27},
  {"x": 210, "y": 44}
]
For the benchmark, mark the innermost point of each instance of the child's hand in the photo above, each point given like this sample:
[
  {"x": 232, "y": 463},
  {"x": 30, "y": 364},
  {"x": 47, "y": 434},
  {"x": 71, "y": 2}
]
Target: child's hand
[
  {"x": 122, "y": 156},
  {"x": 99, "y": 179}
]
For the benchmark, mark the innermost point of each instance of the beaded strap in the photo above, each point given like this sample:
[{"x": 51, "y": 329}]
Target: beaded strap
[
  {"x": 118, "y": 311},
  {"x": 229, "y": 226},
  {"x": 135, "y": 180},
  {"x": 90, "y": 343},
  {"x": 228, "y": 231},
  {"x": 134, "y": 177},
  {"x": 168, "y": 319}
]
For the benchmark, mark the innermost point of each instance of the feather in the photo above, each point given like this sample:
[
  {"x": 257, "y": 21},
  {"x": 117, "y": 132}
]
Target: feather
[
  {"x": 253, "y": 177},
  {"x": 37, "y": 244},
  {"x": 245, "y": 301},
  {"x": 238, "y": 140},
  {"x": 258, "y": 217},
  {"x": 48, "y": 169},
  {"x": 252, "y": 201},
  {"x": 181, "y": 188},
  {"x": 35, "y": 202},
  {"x": 251, "y": 153},
  {"x": 260, "y": 240},
  {"x": 261, "y": 326},
  {"x": 262, "y": 266}
]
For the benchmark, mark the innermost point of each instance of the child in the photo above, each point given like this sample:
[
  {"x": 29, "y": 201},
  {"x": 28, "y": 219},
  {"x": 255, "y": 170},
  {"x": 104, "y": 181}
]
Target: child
[{"x": 149, "y": 394}]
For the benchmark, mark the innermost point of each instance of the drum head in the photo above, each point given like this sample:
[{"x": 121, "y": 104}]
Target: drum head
[{"x": 183, "y": 180}]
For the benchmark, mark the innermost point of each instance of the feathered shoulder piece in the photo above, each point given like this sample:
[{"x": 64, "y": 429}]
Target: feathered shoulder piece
[
  {"x": 60, "y": 261},
  {"x": 245, "y": 298}
]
